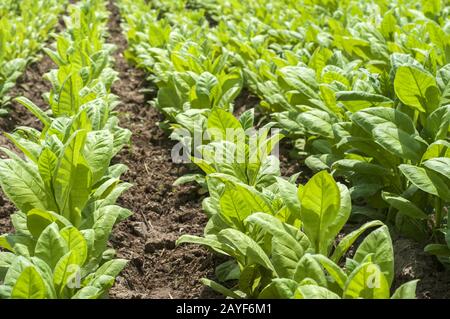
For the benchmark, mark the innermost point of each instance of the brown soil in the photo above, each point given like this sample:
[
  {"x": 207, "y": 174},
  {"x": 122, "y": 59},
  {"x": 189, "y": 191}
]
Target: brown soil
[
  {"x": 411, "y": 262},
  {"x": 162, "y": 212},
  {"x": 32, "y": 86}
]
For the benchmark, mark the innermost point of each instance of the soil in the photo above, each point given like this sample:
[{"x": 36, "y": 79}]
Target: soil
[
  {"x": 162, "y": 212},
  {"x": 411, "y": 262}
]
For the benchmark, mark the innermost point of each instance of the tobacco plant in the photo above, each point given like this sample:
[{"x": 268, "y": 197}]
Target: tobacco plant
[{"x": 273, "y": 257}]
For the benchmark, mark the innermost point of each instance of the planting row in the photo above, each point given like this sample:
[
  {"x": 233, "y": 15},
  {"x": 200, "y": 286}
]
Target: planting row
[
  {"x": 363, "y": 118},
  {"x": 62, "y": 184},
  {"x": 25, "y": 27}
]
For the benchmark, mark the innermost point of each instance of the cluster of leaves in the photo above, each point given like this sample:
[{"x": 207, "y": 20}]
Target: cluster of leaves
[
  {"x": 280, "y": 237},
  {"x": 282, "y": 243},
  {"x": 64, "y": 186},
  {"x": 362, "y": 88},
  {"x": 24, "y": 28}
]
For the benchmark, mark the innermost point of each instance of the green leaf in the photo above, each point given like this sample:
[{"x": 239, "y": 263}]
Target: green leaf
[
  {"x": 289, "y": 244},
  {"x": 317, "y": 122},
  {"x": 333, "y": 270},
  {"x": 220, "y": 123},
  {"x": 288, "y": 192},
  {"x": 98, "y": 152},
  {"x": 406, "y": 291},
  {"x": 399, "y": 142},
  {"x": 205, "y": 84},
  {"x": 357, "y": 100},
  {"x": 320, "y": 201},
  {"x": 361, "y": 167},
  {"x": 29, "y": 285},
  {"x": 47, "y": 164},
  {"x": 75, "y": 243},
  {"x": 349, "y": 239},
  {"x": 404, "y": 206},
  {"x": 440, "y": 165},
  {"x": 378, "y": 243},
  {"x": 38, "y": 220},
  {"x": 415, "y": 87},
  {"x": 50, "y": 246},
  {"x": 72, "y": 179},
  {"x": 369, "y": 119},
  {"x": 368, "y": 282},
  {"x": 111, "y": 268},
  {"x": 33, "y": 108},
  {"x": 21, "y": 186},
  {"x": 427, "y": 180},
  {"x": 245, "y": 248},
  {"x": 65, "y": 272},
  {"x": 308, "y": 267}
]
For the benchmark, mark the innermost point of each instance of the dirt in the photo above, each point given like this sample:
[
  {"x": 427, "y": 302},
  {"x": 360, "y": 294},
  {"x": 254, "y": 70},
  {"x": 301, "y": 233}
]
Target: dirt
[
  {"x": 162, "y": 212},
  {"x": 411, "y": 262}
]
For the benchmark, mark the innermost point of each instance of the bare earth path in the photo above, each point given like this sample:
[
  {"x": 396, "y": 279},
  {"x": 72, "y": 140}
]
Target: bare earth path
[{"x": 162, "y": 212}]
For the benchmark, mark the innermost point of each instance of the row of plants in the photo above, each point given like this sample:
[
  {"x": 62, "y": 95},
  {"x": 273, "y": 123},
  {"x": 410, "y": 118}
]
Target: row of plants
[
  {"x": 280, "y": 237},
  {"x": 334, "y": 89},
  {"x": 363, "y": 90},
  {"x": 62, "y": 183},
  {"x": 25, "y": 27}
]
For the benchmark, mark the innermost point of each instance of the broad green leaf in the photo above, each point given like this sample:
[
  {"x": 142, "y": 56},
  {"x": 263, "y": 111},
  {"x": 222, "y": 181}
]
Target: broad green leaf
[
  {"x": 38, "y": 220},
  {"x": 399, "y": 142},
  {"x": 50, "y": 246},
  {"x": 406, "y": 291},
  {"x": 111, "y": 268},
  {"x": 317, "y": 122},
  {"x": 427, "y": 180},
  {"x": 245, "y": 248},
  {"x": 416, "y": 88},
  {"x": 308, "y": 267},
  {"x": 349, "y": 239},
  {"x": 66, "y": 271},
  {"x": 355, "y": 100},
  {"x": 289, "y": 244},
  {"x": 378, "y": 243},
  {"x": 361, "y": 167},
  {"x": 367, "y": 282},
  {"x": 29, "y": 285},
  {"x": 75, "y": 243},
  {"x": 21, "y": 187},
  {"x": 333, "y": 270},
  {"x": 320, "y": 200},
  {"x": 33, "y": 108},
  {"x": 369, "y": 119},
  {"x": 403, "y": 205},
  {"x": 440, "y": 165},
  {"x": 98, "y": 152},
  {"x": 222, "y": 125}
]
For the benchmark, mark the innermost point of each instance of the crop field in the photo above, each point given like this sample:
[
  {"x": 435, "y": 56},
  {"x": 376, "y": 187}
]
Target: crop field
[{"x": 244, "y": 149}]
